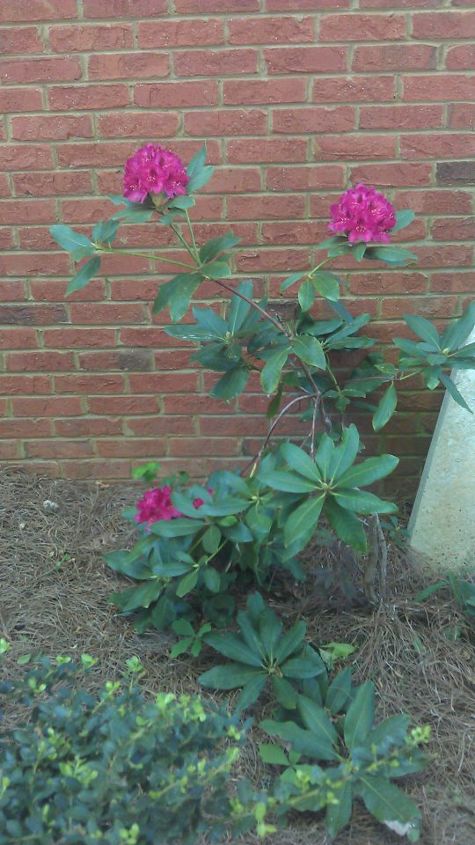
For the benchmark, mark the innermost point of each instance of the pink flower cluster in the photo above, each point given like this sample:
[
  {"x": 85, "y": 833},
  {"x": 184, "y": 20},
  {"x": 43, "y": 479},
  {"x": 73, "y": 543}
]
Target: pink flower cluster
[
  {"x": 154, "y": 170},
  {"x": 363, "y": 214},
  {"x": 156, "y": 504}
]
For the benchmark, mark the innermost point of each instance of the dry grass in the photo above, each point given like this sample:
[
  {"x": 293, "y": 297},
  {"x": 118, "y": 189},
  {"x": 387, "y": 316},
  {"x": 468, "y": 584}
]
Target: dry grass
[{"x": 54, "y": 600}]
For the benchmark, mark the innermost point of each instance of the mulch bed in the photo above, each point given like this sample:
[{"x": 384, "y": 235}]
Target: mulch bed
[{"x": 54, "y": 589}]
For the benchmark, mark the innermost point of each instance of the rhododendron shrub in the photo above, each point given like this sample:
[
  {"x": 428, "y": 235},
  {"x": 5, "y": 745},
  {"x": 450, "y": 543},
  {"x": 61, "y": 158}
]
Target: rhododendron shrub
[{"x": 197, "y": 542}]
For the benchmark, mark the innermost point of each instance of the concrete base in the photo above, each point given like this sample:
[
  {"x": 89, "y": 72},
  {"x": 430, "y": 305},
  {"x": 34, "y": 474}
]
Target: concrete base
[{"x": 442, "y": 523}]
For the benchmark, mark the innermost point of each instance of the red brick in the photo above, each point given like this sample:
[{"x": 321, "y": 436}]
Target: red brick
[
  {"x": 265, "y": 207},
  {"x": 291, "y": 233},
  {"x": 79, "y": 338},
  {"x": 255, "y": 91},
  {"x": 215, "y": 62},
  {"x": 163, "y": 382},
  {"x": 87, "y": 427},
  {"x": 305, "y": 59},
  {"x": 312, "y": 177},
  {"x": 12, "y": 11},
  {"x": 32, "y": 314},
  {"x": 135, "y": 360},
  {"x": 232, "y": 180},
  {"x": 120, "y": 405},
  {"x": 24, "y": 39},
  {"x": 354, "y": 147},
  {"x": 27, "y": 362},
  {"x": 393, "y": 175},
  {"x": 269, "y": 260},
  {"x": 52, "y": 406},
  {"x": 369, "y": 284},
  {"x": 312, "y": 119},
  {"x": 18, "y": 338},
  {"x": 4, "y": 186},
  {"x": 454, "y": 229},
  {"x": 461, "y": 57},
  {"x": 396, "y": 57},
  {"x": 89, "y": 384},
  {"x": 176, "y": 95},
  {"x": 89, "y": 313},
  {"x": 425, "y": 306},
  {"x": 181, "y": 33},
  {"x": 20, "y": 99},
  {"x": 52, "y": 184},
  {"x": 54, "y": 290},
  {"x": 33, "y": 157},
  {"x": 442, "y": 87},
  {"x": 58, "y": 448},
  {"x": 357, "y": 27},
  {"x": 263, "y": 150},
  {"x": 401, "y": 117},
  {"x": 21, "y": 385},
  {"x": 128, "y": 447},
  {"x": 51, "y": 127},
  {"x": 193, "y": 404},
  {"x": 463, "y": 282},
  {"x": 173, "y": 359},
  {"x": 435, "y": 202},
  {"x": 363, "y": 89},
  {"x": 226, "y": 122},
  {"x": 124, "y": 8},
  {"x": 446, "y": 25},
  {"x": 127, "y": 124},
  {"x": 452, "y": 255},
  {"x": 399, "y": 4},
  {"x": 24, "y": 428},
  {"x": 75, "y": 98},
  {"x": 301, "y": 5},
  {"x": 127, "y": 65},
  {"x": 95, "y": 470},
  {"x": 9, "y": 449},
  {"x": 206, "y": 6},
  {"x": 462, "y": 116},
  {"x": 6, "y": 239},
  {"x": 85, "y": 210},
  {"x": 284, "y": 30},
  {"x": 164, "y": 425},
  {"x": 35, "y": 211},
  {"x": 68, "y": 39},
  {"x": 38, "y": 239},
  {"x": 144, "y": 336},
  {"x": 16, "y": 264},
  {"x": 209, "y": 446},
  {"x": 12, "y": 291},
  {"x": 455, "y": 145},
  {"x": 53, "y": 69}
]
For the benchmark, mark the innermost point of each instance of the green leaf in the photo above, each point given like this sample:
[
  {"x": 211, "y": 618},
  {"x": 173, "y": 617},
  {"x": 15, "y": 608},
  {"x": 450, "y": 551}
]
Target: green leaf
[
  {"x": 291, "y": 641},
  {"x": 338, "y": 814},
  {"x": 301, "y": 740},
  {"x": 339, "y": 691},
  {"x": 187, "y": 583},
  {"x": 390, "y": 805},
  {"x": 239, "y": 308},
  {"x": 327, "y": 285},
  {"x": 215, "y": 246},
  {"x": 423, "y": 328},
  {"x": 249, "y": 633},
  {"x": 251, "y": 691},
  {"x": 179, "y": 527},
  {"x": 291, "y": 280},
  {"x": 300, "y": 461},
  {"x": 360, "y": 501},
  {"x": 333, "y": 241},
  {"x": 391, "y": 731},
  {"x": 233, "y": 647},
  {"x": 386, "y": 407},
  {"x": 183, "y": 628},
  {"x": 211, "y": 539},
  {"x": 105, "y": 231},
  {"x": 306, "y": 295},
  {"x": 176, "y": 294},
  {"x": 198, "y": 173},
  {"x": 137, "y": 597},
  {"x": 271, "y": 372},
  {"x": 308, "y": 664},
  {"x": 272, "y": 754},
  {"x": 459, "y": 330},
  {"x": 284, "y": 692},
  {"x": 403, "y": 219},
  {"x": 346, "y": 525},
  {"x": 359, "y": 250},
  {"x": 180, "y": 647},
  {"x": 84, "y": 275},
  {"x": 310, "y": 351},
  {"x": 73, "y": 242},
  {"x": 216, "y": 270},
  {"x": 343, "y": 455},
  {"x": 212, "y": 579},
  {"x": 360, "y": 716},
  {"x": 181, "y": 202},
  {"x": 230, "y": 676},
  {"x": 302, "y": 523},
  {"x": 316, "y": 720},
  {"x": 391, "y": 255},
  {"x": 455, "y": 394},
  {"x": 231, "y": 384},
  {"x": 368, "y": 471},
  {"x": 286, "y": 482},
  {"x": 270, "y": 631}
]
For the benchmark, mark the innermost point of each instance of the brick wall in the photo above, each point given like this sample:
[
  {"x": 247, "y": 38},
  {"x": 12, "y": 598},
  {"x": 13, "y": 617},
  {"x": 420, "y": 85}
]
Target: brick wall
[{"x": 296, "y": 98}]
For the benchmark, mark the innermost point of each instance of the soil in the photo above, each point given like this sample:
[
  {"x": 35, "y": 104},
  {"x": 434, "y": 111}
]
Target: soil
[{"x": 54, "y": 590}]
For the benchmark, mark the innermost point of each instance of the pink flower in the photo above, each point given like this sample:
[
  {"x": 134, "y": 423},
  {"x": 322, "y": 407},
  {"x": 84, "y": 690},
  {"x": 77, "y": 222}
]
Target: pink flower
[
  {"x": 363, "y": 214},
  {"x": 198, "y": 502},
  {"x": 156, "y": 504},
  {"x": 154, "y": 170}
]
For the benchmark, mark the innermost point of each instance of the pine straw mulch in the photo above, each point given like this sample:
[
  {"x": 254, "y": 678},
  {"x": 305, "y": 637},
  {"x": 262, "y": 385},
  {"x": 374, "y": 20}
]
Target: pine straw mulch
[{"x": 54, "y": 588}]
